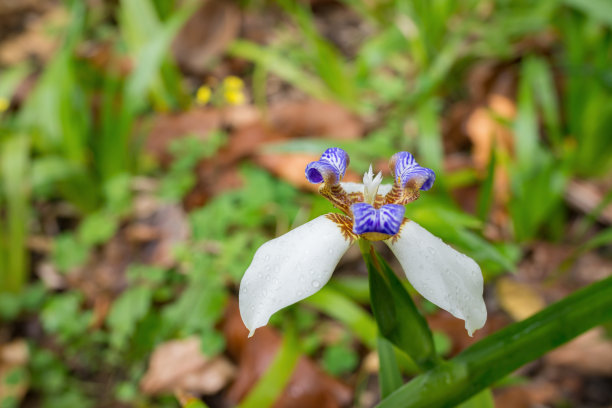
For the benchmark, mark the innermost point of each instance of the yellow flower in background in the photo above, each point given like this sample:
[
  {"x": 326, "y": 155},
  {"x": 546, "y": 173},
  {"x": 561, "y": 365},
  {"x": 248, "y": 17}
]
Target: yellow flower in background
[
  {"x": 233, "y": 90},
  {"x": 4, "y": 104},
  {"x": 234, "y": 97},
  {"x": 233, "y": 83},
  {"x": 203, "y": 95}
]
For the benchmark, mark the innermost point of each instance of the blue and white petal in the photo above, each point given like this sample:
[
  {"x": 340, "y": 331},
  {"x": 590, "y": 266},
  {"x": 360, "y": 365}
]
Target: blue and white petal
[
  {"x": 386, "y": 220},
  {"x": 330, "y": 168},
  {"x": 445, "y": 277},
  {"x": 405, "y": 169},
  {"x": 290, "y": 268}
]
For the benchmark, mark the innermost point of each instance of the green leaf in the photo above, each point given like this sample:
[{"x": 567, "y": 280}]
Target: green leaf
[
  {"x": 499, "y": 354},
  {"x": 126, "y": 312},
  {"x": 600, "y": 10},
  {"x": 97, "y": 228},
  {"x": 396, "y": 315},
  {"x": 273, "y": 382},
  {"x": 388, "y": 372},
  {"x": 62, "y": 316},
  {"x": 68, "y": 252},
  {"x": 484, "y": 399},
  {"x": 339, "y": 359}
]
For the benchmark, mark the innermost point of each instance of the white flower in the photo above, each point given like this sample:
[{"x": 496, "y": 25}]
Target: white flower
[{"x": 296, "y": 265}]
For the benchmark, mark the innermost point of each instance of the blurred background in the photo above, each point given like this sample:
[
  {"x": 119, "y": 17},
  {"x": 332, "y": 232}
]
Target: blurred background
[{"x": 149, "y": 147}]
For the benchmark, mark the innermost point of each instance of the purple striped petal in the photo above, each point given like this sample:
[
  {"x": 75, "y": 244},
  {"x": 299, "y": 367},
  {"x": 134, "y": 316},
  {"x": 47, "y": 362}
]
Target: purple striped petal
[
  {"x": 405, "y": 169},
  {"x": 331, "y": 167},
  {"x": 386, "y": 220}
]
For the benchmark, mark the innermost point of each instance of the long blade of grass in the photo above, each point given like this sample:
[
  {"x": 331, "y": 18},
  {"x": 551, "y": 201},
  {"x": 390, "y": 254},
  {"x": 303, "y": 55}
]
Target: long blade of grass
[
  {"x": 499, "y": 354},
  {"x": 14, "y": 162}
]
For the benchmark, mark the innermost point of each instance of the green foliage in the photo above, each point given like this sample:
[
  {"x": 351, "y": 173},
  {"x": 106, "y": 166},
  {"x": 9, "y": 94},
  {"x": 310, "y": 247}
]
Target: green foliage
[
  {"x": 339, "y": 359},
  {"x": 187, "y": 152},
  {"x": 62, "y": 316}
]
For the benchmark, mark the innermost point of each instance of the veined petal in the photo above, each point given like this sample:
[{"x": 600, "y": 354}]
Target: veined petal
[
  {"x": 445, "y": 277},
  {"x": 405, "y": 169},
  {"x": 351, "y": 187},
  {"x": 290, "y": 268},
  {"x": 385, "y": 220},
  {"x": 330, "y": 168}
]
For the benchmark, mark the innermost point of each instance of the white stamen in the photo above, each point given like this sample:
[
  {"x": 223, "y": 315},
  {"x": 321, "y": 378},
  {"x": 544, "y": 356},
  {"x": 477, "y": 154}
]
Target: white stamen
[{"x": 370, "y": 185}]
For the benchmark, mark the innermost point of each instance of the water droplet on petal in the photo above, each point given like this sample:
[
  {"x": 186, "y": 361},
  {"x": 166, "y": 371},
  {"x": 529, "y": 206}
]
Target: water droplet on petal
[
  {"x": 431, "y": 250},
  {"x": 316, "y": 284}
]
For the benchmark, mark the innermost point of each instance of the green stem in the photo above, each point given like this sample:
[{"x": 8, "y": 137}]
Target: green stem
[{"x": 506, "y": 350}]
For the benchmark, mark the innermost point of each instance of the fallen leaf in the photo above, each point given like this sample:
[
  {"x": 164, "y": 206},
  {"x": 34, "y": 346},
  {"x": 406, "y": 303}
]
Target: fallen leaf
[
  {"x": 314, "y": 118},
  {"x": 206, "y": 35},
  {"x": 309, "y": 386},
  {"x": 34, "y": 41},
  {"x": 590, "y": 354},
  {"x": 290, "y": 167},
  {"x": 180, "y": 365},
  {"x": 586, "y": 196},
  {"x": 14, "y": 381},
  {"x": 168, "y": 127},
  {"x": 518, "y": 299}
]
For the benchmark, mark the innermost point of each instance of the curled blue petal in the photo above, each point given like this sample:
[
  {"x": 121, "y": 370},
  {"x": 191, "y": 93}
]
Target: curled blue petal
[
  {"x": 330, "y": 167},
  {"x": 406, "y": 169},
  {"x": 385, "y": 220}
]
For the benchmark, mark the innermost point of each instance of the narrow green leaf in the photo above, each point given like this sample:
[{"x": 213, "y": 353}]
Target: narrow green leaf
[
  {"x": 494, "y": 357},
  {"x": 396, "y": 315},
  {"x": 484, "y": 399},
  {"x": 273, "y": 382},
  {"x": 600, "y": 10},
  {"x": 389, "y": 373}
]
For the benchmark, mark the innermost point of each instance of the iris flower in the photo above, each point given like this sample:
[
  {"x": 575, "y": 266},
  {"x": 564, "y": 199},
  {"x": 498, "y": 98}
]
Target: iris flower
[{"x": 297, "y": 264}]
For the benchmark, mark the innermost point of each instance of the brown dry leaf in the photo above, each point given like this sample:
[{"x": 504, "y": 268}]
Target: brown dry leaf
[
  {"x": 180, "y": 365},
  {"x": 536, "y": 393},
  {"x": 14, "y": 357},
  {"x": 290, "y": 167},
  {"x": 206, "y": 35},
  {"x": 35, "y": 40},
  {"x": 586, "y": 196},
  {"x": 313, "y": 118},
  {"x": 518, "y": 299},
  {"x": 168, "y": 127},
  {"x": 309, "y": 386},
  {"x": 590, "y": 354}
]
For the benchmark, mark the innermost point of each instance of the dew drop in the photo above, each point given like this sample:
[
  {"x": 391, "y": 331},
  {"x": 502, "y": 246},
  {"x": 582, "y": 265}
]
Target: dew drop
[
  {"x": 431, "y": 250},
  {"x": 315, "y": 283},
  {"x": 267, "y": 258}
]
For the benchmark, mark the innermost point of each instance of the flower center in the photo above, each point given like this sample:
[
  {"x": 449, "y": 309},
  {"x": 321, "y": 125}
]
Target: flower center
[{"x": 370, "y": 186}]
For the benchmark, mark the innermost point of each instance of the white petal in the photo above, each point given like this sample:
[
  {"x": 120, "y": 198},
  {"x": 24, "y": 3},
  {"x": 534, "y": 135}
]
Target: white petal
[
  {"x": 350, "y": 187},
  {"x": 290, "y": 268},
  {"x": 445, "y": 277}
]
